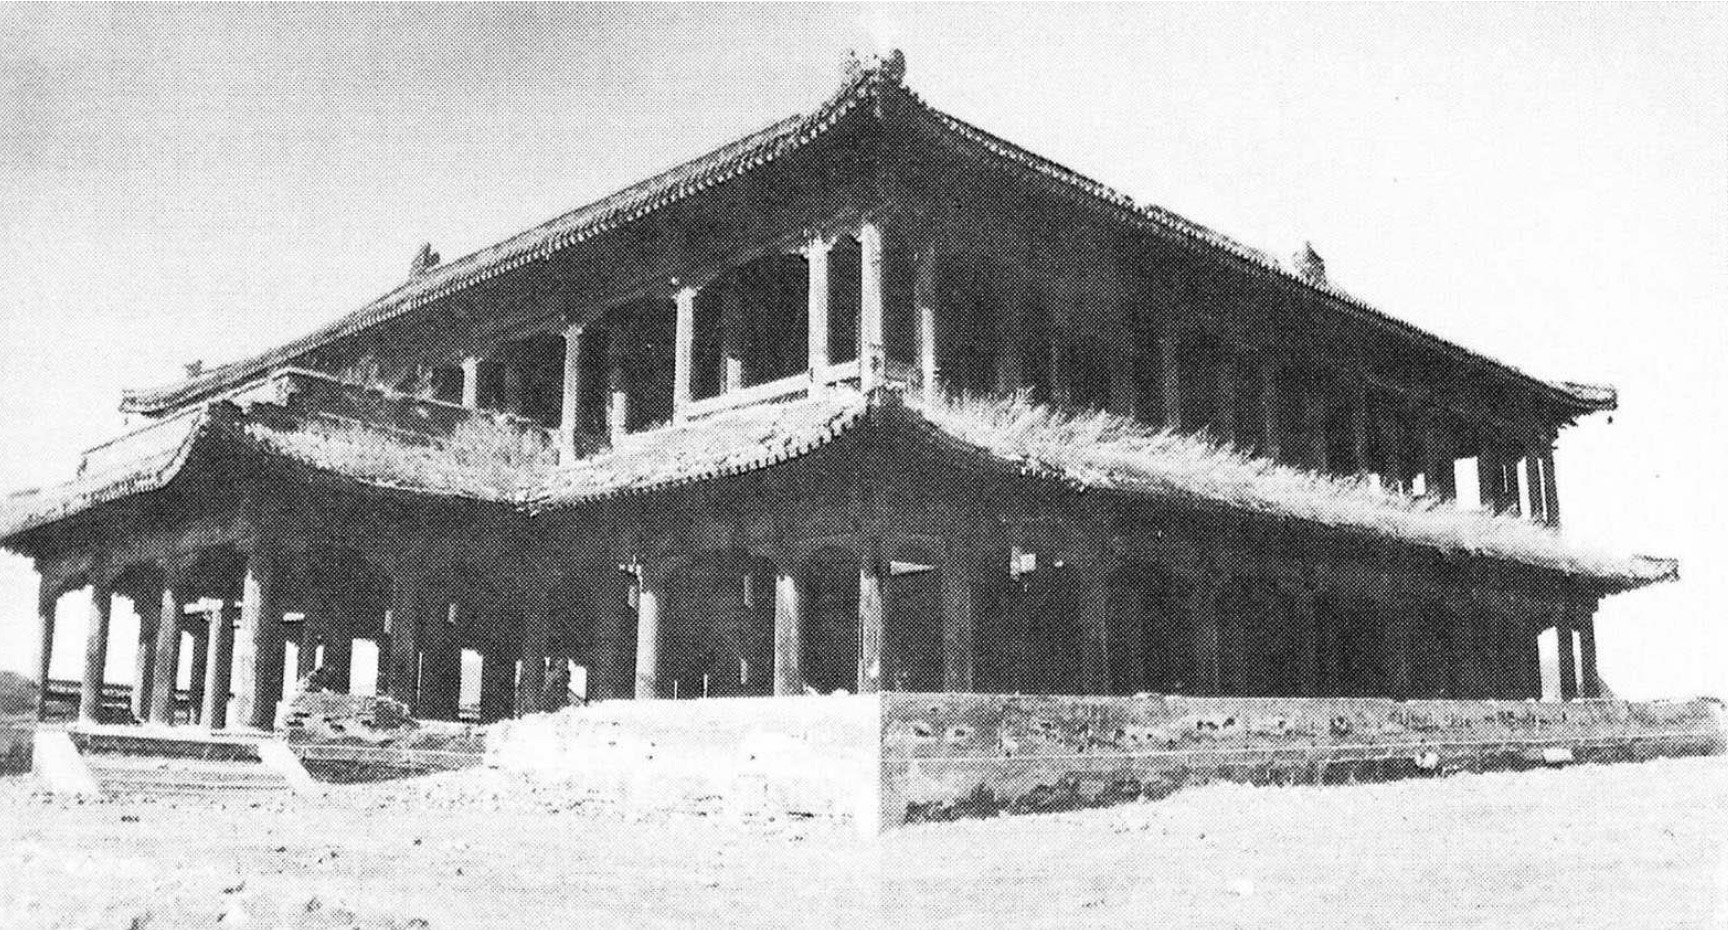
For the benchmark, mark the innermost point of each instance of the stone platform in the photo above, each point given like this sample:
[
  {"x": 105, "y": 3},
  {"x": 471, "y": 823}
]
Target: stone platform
[{"x": 888, "y": 759}]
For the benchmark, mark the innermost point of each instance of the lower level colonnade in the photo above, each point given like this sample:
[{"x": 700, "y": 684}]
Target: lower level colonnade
[{"x": 839, "y": 614}]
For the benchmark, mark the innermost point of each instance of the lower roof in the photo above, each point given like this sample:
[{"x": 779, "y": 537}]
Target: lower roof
[{"x": 494, "y": 463}]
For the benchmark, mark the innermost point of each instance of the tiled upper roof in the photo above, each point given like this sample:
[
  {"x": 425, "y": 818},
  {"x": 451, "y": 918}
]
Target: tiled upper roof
[{"x": 748, "y": 153}]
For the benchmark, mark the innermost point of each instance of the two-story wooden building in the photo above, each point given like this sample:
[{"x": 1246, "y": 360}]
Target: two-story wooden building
[{"x": 869, "y": 399}]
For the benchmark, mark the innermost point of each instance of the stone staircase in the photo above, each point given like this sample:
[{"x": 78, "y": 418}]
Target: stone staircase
[{"x": 126, "y": 762}]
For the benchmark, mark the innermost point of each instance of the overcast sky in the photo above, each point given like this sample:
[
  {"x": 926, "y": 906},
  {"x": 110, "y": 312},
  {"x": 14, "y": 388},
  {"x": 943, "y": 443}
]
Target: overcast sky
[{"x": 1548, "y": 185}]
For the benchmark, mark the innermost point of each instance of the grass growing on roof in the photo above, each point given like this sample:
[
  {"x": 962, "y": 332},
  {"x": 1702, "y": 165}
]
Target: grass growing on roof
[
  {"x": 482, "y": 457},
  {"x": 1105, "y": 450}
]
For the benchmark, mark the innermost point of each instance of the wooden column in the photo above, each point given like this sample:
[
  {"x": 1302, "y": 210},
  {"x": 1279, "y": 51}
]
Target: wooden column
[
  {"x": 1397, "y": 647},
  {"x": 870, "y": 617},
  {"x": 514, "y": 397},
  {"x": 497, "y": 674},
  {"x": 1533, "y": 478},
  {"x": 732, "y": 336},
  {"x": 220, "y": 668},
  {"x": 47, "y": 599},
  {"x": 1018, "y": 622},
  {"x": 143, "y": 666},
  {"x": 1124, "y": 390},
  {"x": 309, "y": 634},
  {"x": 536, "y": 641},
  {"x": 1489, "y": 475},
  {"x": 95, "y": 651},
  {"x": 615, "y": 669},
  {"x": 647, "y": 635},
  {"x": 258, "y": 643},
  {"x": 872, "y": 354},
  {"x": 1359, "y": 429},
  {"x": 1269, "y": 438},
  {"x": 1509, "y": 485},
  {"x": 1224, "y": 416},
  {"x": 1568, "y": 658},
  {"x": 200, "y": 670},
  {"x": 1061, "y": 367},
  {"x": 1301, "y": 606},
  {"x": 1169, "y": 381},
  {"x": 404, "y": 622},
  {"x": 1530, "y": 659},
  {"x": 1550, "y": 492},
  {"x": 1202, "y": 611},
  {"x": 683, "y": 350},
  {"x": 441, "y": 664},
  {"x": 924, "y": 303},
  {"x": 166, "y": 661},
  {"x": 1467, "y": 664},
  {"x": 570, "y": 405},
  {"x": 471, "y": 382},
  {"x": 1008, "y": 347},
  {"x": 1437, "y": 460},
  {"x": 1095, "y": 621},
  {"x": 339, "y": 653},
  {"x": 1589, "y": 682},
  {"x": 959, "y": 623},
  {"x": 618, "y": 404},
  {"x": 788, "y": 632},
  {"x": 1392, "y": 469},
  {"x": 816, "y": 252},
  {"x": 1314, "y": 428}
]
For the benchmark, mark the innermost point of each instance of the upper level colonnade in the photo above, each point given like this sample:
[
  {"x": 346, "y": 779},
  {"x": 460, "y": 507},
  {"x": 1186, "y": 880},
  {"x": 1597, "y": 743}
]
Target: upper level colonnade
[{"x": 880, "y": 304}]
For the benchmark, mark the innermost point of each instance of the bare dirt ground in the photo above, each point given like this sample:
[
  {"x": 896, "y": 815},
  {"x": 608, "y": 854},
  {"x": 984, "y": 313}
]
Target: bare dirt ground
[{"x": 1637, "y": 846}]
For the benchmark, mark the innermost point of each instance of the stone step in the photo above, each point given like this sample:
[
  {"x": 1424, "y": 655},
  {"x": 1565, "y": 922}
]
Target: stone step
[
  {"x": 131, "y": 765},
  {"x": 133, "y": 768}
]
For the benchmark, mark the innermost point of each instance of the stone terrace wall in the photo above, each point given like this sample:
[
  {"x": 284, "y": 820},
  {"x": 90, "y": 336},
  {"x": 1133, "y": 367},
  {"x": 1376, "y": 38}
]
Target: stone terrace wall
[
  {"x": 952, "y": 755},
  {"x": 885, "y": 759}
]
